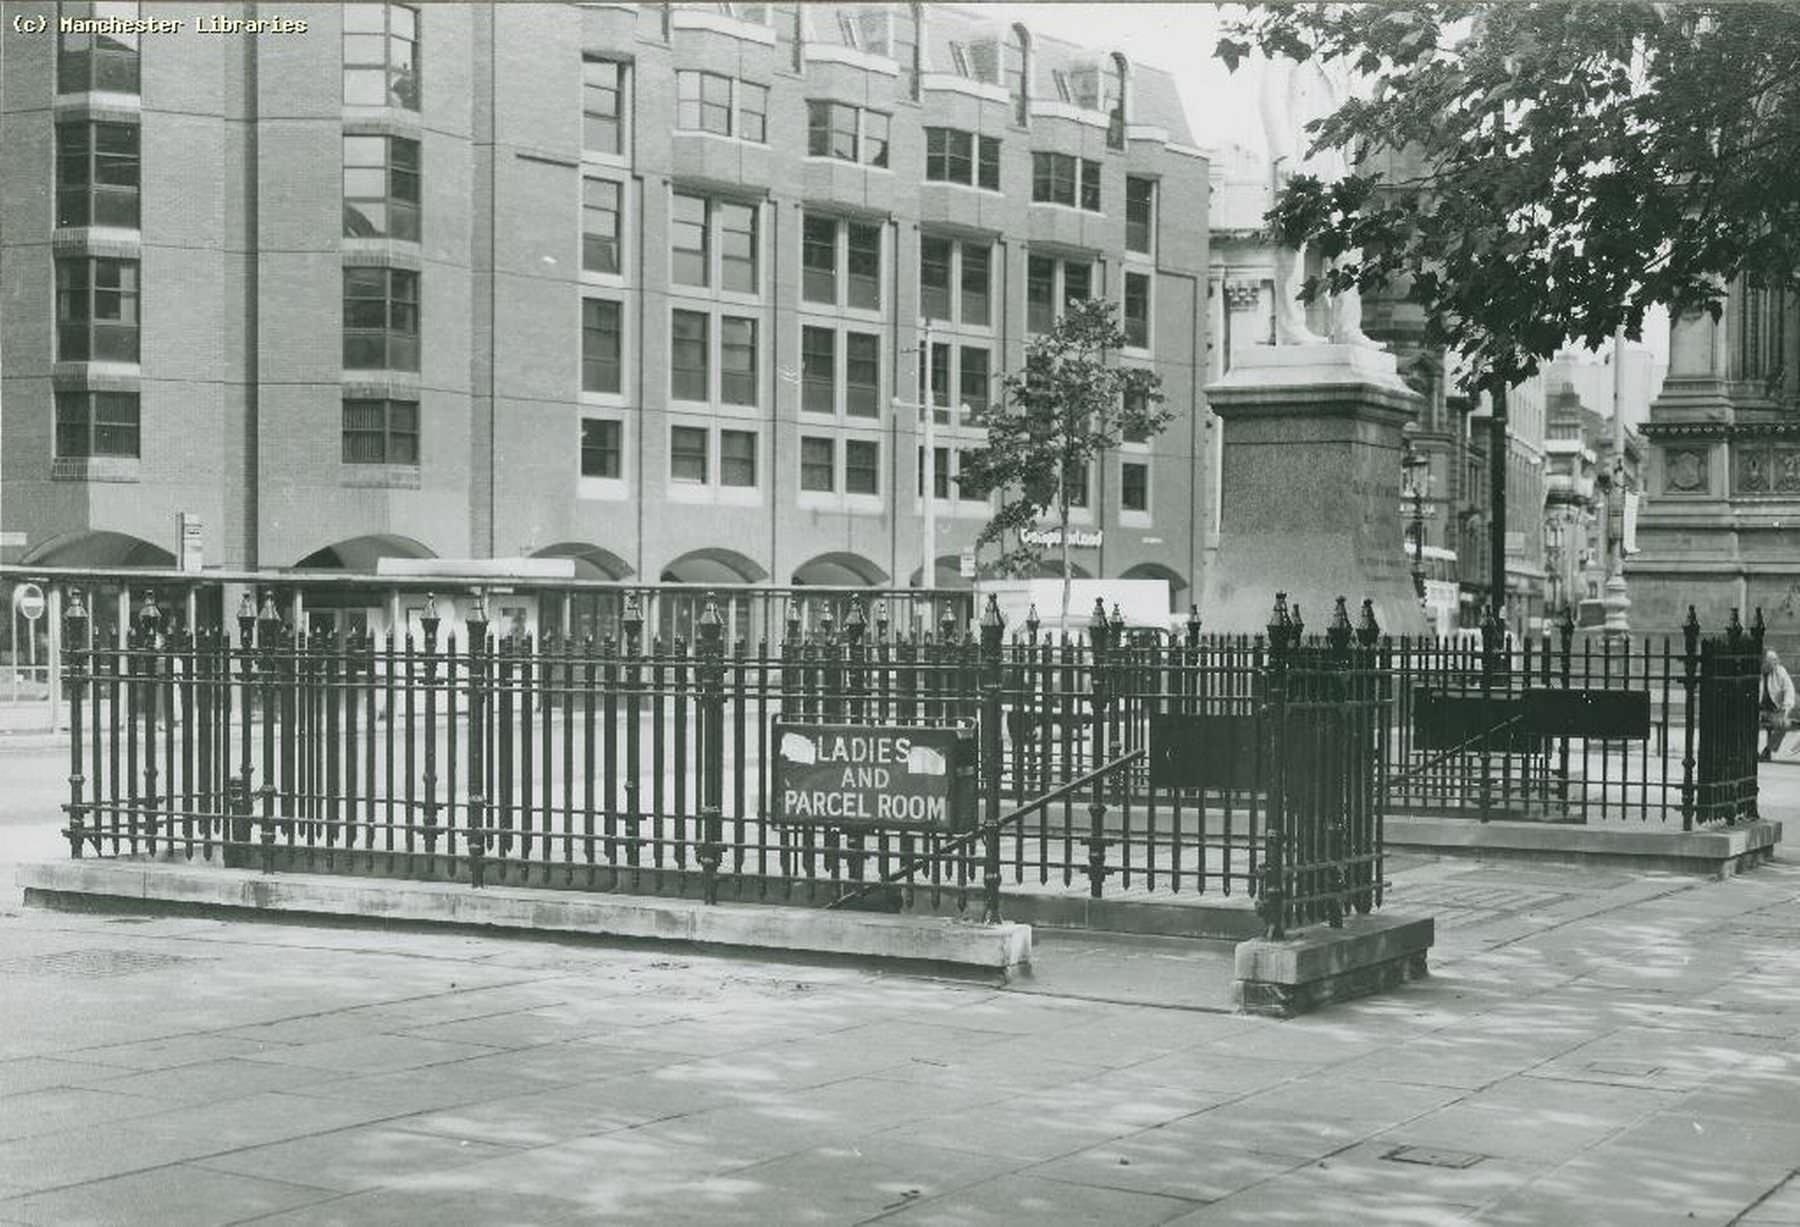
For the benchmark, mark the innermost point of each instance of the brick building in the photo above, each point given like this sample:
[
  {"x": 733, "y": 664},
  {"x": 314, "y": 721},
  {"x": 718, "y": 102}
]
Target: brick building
[{"x": 638, "y": 285}]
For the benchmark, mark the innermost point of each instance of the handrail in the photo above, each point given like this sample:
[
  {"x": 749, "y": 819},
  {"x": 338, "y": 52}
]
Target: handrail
[
  {"x": 1455, "y": 749},
  {"x": 919, "y": 860}
]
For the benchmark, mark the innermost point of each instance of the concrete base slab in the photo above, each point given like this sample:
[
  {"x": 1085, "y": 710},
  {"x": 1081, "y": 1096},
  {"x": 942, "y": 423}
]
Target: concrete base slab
[
  {"x": 1370, "y": 954},
  {"x": 929, "y": 942},
  {"x": 1715, "y": 854}
]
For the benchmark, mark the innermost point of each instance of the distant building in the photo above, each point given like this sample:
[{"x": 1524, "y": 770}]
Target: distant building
[{"x": 638, "y": 285}]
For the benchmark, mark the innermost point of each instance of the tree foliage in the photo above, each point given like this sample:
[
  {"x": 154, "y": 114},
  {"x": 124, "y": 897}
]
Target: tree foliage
[
  {"x": 1069, "y": 406},
  {"x": 1534, "y": 173}
]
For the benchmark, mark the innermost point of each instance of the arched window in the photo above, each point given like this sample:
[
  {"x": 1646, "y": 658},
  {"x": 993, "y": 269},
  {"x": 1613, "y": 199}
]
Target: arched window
[
  {"x": 1016, "y": 62},
  {"x": 1117, "y": 82}
]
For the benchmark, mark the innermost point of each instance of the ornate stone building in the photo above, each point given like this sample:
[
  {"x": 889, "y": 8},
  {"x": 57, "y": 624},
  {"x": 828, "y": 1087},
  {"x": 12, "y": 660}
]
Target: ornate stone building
[{"x": 1721, "y": 522}]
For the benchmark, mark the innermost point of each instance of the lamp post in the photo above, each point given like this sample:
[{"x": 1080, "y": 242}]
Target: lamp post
[
  {"x": 1416, "y": 467},
  {"x": 1618, "y": 602}
]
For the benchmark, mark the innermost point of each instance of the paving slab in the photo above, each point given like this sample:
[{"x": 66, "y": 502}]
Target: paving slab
[{"x": 182, "y": 1193}]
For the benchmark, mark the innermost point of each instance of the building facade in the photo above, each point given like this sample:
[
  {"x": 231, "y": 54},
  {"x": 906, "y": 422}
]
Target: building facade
[{"x": 653, "y": 287}]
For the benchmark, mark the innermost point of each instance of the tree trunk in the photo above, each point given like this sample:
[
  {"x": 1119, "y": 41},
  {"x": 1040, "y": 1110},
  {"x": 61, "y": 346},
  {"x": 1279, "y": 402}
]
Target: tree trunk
[{"x": 1064, "y": 507}]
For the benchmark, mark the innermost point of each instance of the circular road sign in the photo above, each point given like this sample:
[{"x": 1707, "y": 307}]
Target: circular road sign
[{"x": 28, "y": 599}]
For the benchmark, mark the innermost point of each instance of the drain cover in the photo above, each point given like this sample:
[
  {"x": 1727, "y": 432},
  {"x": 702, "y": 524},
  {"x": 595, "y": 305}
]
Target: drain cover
[
  {"x": 90, "y": 964},
  {"x": 1624, "y": 1069},
  {"x": 1425, "y": 1156}
]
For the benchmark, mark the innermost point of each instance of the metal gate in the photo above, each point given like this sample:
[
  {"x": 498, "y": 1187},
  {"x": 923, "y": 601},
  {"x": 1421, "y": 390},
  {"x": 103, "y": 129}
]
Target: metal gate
[{"x": 1725, "y": 783}]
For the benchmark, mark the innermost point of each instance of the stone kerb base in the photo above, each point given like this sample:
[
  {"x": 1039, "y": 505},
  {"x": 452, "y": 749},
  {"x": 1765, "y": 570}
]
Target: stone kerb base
[
  {"x": 1718, "y": 853},
  {"x": 929, "y": 942},
  {"x": 1310, "y": 498},
  {"x": 1369, "y": 955}
]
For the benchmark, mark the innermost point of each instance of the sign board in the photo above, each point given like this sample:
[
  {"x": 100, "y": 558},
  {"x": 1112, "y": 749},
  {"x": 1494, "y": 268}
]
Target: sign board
[
  {"x": 1211, "y": 751},
  {"x": 1629, "y": 532},
  {"x": 874, "y": 777},
  {"x": 28, "y": 600},
  {"x": 1613, "y": 714},
  {"x": 1079, "y": 538},
  {"x": 1465, "y": 719},
  {"x": 193, "y": 542},
  {"x": 965, "y": 563}
]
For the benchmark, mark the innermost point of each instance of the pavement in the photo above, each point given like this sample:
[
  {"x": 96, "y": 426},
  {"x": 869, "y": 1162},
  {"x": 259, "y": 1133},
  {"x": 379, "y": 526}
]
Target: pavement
[{"x": 1593, "y": 1047}]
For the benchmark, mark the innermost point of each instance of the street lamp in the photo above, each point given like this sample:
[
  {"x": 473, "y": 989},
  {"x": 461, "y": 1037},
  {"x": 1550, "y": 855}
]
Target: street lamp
[{"x": 1416, "y": 467}]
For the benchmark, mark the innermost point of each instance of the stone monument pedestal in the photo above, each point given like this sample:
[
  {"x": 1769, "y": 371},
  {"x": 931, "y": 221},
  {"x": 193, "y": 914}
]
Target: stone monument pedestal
[{"x": 1310, "y": 500}]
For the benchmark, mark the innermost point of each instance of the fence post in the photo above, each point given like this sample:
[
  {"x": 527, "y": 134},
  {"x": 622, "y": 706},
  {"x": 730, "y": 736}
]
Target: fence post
[
  {"x": 1373, "y": 686},
  {"x": 993, "y": 631},
  {"x": 1490, "y": 649},
  {"x": 1271, "y": 903},
  {"x": 76, "y": 620},
  {"x": 429, "y": 624},
  {"x": 632, "y": 622},
  {"x": 1565, "y": 630},
  {"x": 149, "y": 705},
  {"x": 268, "y": 634},
  {"x": 477, "y": 626},
  {"x": 1337, "y": 641},
  {"x": 1690, "y": 664},
  {"x": 712, "y": 747},
  {"x": 1099, "y": 633}
]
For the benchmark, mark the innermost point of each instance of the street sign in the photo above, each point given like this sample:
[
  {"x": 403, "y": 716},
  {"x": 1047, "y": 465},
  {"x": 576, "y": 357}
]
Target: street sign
[
  {"x": 193, "y": 542},
  {"x": 966, "y": 563},
  {"x": 873, "y": 777},
  {"x": 28, "y": 600}
]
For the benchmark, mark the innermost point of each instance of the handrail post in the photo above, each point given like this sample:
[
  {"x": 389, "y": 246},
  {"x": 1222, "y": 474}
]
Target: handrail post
[
  {"x": 993, "y": 630},
  {"x": 477, "y": 625},
  {"x": 712, "y": 747},
  {"x": 76, "y": 619},
  {"x": 1490, "y": 648}
]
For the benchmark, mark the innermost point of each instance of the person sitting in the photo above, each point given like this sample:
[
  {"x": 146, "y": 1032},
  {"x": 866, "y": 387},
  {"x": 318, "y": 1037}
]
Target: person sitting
[{"x": 1777, "y": 703}]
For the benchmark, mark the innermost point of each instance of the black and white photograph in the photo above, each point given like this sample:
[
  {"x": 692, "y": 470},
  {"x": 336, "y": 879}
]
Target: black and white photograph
[{"x": 934, "y": 614}]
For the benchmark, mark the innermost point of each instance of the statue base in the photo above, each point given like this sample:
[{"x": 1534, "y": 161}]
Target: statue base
[{"x": 1311, "y": 502}]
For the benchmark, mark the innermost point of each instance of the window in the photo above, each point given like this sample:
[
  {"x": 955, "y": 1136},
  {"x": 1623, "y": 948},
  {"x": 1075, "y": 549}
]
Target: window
[
  {"x": 689, "y": 374},
  {"x": 703, "y": 102},
  {"x": 940, "y": 379},
  {"x": 381, "y": 319},
  {"x": 818, "y": 370},
  {"x": 818, "y": 259},
  {"x": 753, "y": 112},
  {"x": 847, "y": 30},
  {"x": 847, "y": 133},
  {"x": 1040, "y": 293},
  {"x": 381, "y": 187},
  {"x": 1137, "y": 310},
  {"x": 96, "y": 310},
  {"x": 97, "y": 175},
  {"x": 687, "y": 239},
  {"x": 862, "y": 374},
  {"x": 602, "y": 448},
  {"x": 737, "y": 246},
  {"x": 862, "y": 466},
  {"x": 1136, "y": 403},
  {"x": 955, "y": 156},
  {"x": 959, "y": 59},
  {"x": 1078, "y": 282},
  {"x": 863, "y": 244},
  {"x": 600, "y": 226},
  {"x": 1052, "y": 178},
  {"x": 737, "y": 360},
  {"x": 1134, "y": 486},
  {"x": 818, "y": 462},
  {"x": 1075, "y": 485},
  {"x": 976, "y": 278},
  {"x": 940, "y": 473},
  {"x": 1140, "y": 201},
  {"x": 96, "y": 62},
  {"x": 600, "y": 345},
  {"x": 687, "y": 454},
  {"x": 602, "y": 105},
  {"x": 934, "y": 277},
  {"x": 1061, "y": 81},
  {"x": 966, "y": 493},
  {"x": 973, "y": 382},
  {"x": 96, "y": 424},
  {"x": 381, "y": 56},
  {"x": 737, "y": 458},
  {"x": 1058, "y": 178},
  {"x": 381, "y": 432}
]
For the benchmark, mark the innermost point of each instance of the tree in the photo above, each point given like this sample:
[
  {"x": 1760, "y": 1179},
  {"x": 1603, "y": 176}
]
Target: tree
[
  {"x": 1068, "y": 407},
  {"x": 1556, "y": 169}
]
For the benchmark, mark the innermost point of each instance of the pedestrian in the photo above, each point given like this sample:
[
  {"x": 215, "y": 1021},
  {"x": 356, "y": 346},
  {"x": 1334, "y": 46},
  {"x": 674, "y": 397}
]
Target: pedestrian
[{"x": 1777, "y": 702}]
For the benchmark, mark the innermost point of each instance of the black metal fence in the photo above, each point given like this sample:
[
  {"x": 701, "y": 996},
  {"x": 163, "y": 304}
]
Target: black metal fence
[{"x": 1259, "y": 766}]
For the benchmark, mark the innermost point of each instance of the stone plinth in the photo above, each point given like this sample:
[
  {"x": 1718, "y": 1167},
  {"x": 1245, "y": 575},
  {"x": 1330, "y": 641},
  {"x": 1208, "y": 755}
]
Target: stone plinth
[
  {"x": 1310, "y": 497},
  {"x": 1369, "y": 955}
]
